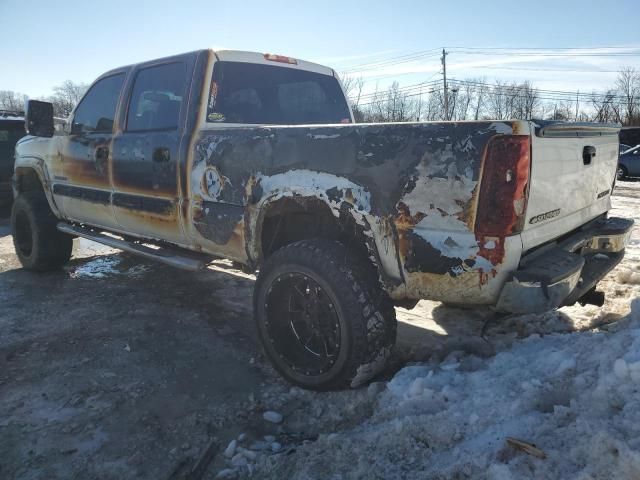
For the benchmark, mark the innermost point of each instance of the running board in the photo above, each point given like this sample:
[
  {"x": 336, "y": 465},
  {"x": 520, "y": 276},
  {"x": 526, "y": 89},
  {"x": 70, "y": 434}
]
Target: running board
[{"x": 170, "y": 257}]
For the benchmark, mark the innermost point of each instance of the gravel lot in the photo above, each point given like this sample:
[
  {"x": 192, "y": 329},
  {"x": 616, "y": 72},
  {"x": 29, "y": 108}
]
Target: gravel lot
[{"x": 120, "y": 368}]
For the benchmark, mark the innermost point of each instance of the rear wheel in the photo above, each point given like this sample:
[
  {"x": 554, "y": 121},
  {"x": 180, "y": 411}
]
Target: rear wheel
[
  {"x": 324, "y": 323},
  {"x": 38, "y": 244},
  {"x": 622, "y": 172}
]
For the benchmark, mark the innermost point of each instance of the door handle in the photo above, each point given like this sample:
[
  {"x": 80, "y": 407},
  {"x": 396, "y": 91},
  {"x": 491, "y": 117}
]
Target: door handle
[
  {"x": 161, "y": 154},
  {"x": 101, "y": 154},
  {"x": 588, "y": 153},
  {"x": 101, "y": 159}
]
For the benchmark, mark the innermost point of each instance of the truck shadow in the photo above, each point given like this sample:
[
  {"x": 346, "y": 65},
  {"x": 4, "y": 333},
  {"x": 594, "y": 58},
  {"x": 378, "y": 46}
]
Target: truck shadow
[{"x": 222, "y": 296}]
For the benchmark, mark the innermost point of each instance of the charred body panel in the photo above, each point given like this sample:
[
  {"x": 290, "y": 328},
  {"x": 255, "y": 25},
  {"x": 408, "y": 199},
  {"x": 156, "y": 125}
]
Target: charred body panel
[{"x": 413, "y": 184}]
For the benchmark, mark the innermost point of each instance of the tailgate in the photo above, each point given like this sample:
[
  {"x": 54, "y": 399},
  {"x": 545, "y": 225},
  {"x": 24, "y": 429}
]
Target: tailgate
[{"x": 573, "y": 167}]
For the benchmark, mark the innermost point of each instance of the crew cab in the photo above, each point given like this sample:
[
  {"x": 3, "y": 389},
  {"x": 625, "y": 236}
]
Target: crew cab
[{"x": 256, "y": 158}]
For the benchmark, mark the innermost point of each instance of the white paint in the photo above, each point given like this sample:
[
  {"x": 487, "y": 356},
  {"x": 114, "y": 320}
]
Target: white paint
[
  {"x": 311, "y": 183},
  {"x": 501, "y": 128},
  {"x": 560, "y": 180},
  {"x": 322, "y": 137}
]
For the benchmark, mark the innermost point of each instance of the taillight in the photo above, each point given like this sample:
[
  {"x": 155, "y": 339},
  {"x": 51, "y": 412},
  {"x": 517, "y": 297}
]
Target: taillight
[
  {"x": 503, "y": 189},
  {"x": 280, "y": 58}
]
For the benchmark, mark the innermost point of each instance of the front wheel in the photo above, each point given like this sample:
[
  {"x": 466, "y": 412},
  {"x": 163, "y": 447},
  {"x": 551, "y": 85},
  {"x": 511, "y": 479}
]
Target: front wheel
[
  {"x": 38, "y": 244},
  {"x": 323, "y": 319}
]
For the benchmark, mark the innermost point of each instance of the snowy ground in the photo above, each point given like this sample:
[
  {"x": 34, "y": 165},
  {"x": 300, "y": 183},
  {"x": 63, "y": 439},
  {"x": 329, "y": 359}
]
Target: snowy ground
[
  {"x": 117, "y": 368},
  {"x": 567, "y": 382}
]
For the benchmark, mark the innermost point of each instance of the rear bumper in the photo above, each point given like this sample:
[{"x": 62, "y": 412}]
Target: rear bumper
[{"x": 560, "y": 275}]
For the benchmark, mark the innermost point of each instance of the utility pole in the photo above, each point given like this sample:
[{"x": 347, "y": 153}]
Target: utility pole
[
  {"x": 577, "y": 104},
  {"x": 446, "y": 92}
]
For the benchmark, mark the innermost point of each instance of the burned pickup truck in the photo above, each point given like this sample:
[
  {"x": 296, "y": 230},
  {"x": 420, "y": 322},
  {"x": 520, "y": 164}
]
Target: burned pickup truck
[{"x": 255, "y": 158}]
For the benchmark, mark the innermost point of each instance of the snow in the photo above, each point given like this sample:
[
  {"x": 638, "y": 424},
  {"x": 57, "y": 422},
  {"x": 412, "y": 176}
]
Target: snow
[
  {"x": 230, "y": 451},
  {"x": 11, "y": 117},
  {"x": 567, "y": 383},
  {"x": 273, "y": 417}
]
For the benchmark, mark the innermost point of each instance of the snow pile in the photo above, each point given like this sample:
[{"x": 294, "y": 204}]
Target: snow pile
[
  {"x": 576, "y": 397},
  {"x": 566, "y": 382},
  {"x": 627, "y": 275},
  {"x": 105, "y": 266}
]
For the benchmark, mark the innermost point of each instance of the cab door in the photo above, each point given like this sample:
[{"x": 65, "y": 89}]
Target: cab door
[
  {"x": 83, "y": 192},
  {"x": 148, "y": 150}
]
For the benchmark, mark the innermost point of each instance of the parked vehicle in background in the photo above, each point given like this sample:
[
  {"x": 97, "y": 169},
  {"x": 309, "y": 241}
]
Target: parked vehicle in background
[
  {"x": 11, "y": 130},
  {"x": 629, "y": 163},
  {"x": 255, "y": 158},
  {"x": 630, "y": 135}
]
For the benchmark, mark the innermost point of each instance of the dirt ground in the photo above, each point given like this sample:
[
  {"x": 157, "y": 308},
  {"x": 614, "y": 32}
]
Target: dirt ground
[{"x": 120, "y": 368}]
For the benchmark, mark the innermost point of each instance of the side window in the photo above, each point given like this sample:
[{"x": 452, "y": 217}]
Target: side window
[
  {"x": 97, "y": 110},
  {"x": 157, "y": 97}
]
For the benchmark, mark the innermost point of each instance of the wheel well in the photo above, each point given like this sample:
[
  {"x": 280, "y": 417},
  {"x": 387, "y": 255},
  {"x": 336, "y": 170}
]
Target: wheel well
[
  {"x": 27, "y": 180},
  {"x": 292, "y": 219}
]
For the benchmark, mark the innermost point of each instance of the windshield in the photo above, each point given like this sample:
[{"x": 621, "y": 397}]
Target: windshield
[{"x": 264, "y": 94}]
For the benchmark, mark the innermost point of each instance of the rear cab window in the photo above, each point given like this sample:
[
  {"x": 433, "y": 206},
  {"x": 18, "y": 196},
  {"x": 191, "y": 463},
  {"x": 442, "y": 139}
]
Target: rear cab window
[{"x": 250, "y": 93}]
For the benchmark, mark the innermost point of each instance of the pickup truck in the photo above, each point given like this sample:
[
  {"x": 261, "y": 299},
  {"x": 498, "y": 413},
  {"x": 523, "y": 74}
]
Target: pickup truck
[{"x": 256, "y": 158}]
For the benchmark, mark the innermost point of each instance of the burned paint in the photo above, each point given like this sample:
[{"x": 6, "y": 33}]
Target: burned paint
[
  {"x": 146, "y": 163},
  {"x": 422, "y": 178},
  {"x": 217, "y": 221}
]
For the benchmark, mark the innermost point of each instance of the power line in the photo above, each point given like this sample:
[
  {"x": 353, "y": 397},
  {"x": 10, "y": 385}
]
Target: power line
[
  {"x": 550, "y": 54},
  {"x": 443, "y": 59},
  {"x": 540, "y": 90},
  {"x": 512, "y": 51},
  {"x": 405, "y": 89},
  {"x": 390, "y": 61},
  {"x": 491, "y": 67},
  {"x": 544, "y": 48}
]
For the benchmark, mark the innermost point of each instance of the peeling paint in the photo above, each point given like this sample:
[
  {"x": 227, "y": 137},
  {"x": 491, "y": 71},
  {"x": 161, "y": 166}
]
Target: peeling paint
[{"x": 411, "y": 188}]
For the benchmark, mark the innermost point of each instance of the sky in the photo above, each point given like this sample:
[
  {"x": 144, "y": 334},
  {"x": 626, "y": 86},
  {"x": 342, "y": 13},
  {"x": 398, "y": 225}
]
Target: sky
[{"x": 552, "y": 43}]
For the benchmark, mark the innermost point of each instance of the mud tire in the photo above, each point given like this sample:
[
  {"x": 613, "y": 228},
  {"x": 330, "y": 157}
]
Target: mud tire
[
  {"x": 38, "y": 244},
  {"x": 366, "y": 315}
]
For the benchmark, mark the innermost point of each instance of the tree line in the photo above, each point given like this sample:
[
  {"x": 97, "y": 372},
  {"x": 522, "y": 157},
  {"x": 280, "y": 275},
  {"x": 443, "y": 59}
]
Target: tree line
[
  {"x": 64, "y": 98},
  {"x": 470, "y": 99},
  {"x": 476, "y": 99}
]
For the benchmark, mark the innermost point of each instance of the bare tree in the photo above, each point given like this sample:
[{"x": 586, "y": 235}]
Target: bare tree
[
  {"x": 628, "y": 89},
  {"x": 605, "y": 107},
  {"x": 10, "y": 100},
  {"x": 66, "y": 96},
  {"x": 353, "y": 88}
]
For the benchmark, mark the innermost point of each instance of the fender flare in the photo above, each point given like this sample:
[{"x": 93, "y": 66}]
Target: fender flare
[
  {"x": 34, "y": 164},
  {"x": 340, "y": 195}
]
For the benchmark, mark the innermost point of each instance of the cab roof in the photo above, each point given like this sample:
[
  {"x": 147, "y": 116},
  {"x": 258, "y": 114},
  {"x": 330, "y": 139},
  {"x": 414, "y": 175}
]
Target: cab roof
[{"x": 271, "y": 59}]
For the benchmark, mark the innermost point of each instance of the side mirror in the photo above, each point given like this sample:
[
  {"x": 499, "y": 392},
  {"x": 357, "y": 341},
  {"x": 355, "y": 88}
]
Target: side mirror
[{"x": 39, "y": 118}]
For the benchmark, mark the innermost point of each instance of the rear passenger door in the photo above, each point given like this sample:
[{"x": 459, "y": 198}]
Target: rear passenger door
[{"x": 147, "y": 153}]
